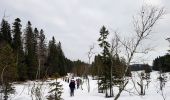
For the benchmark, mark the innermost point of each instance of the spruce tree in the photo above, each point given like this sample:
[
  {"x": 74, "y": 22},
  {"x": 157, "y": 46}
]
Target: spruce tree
[
  {"x": 52, "y": 59},
  {"x": 17, "y": 44},
  {"x": 18, "y": 49},
  {"x": 69, "y": 65},
  {"x": 5, "y": 31},
  {"x": 36, "y": 51},
  {"x": 56, "y": 60},
  {"x": 103, "y": 43},
  {"x": 42, "y": 53},
  {"x": 31, "y": 51},
  {"x": 97, "y": 66},
  {"x": 56, "y": 91},
  {"x": 61, "y": 62}
]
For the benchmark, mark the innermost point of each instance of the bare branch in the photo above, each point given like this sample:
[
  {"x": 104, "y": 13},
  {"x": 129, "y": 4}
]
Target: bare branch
[{"x": 143, "y": 24}]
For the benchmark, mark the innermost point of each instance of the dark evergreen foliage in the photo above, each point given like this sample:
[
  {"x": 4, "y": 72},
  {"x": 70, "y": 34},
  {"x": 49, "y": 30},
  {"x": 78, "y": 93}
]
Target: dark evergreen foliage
[
  {"x": 56, "y": 60},
  {"x": 56, "y": 91},
  {"x": 5, "y": 31},
  {"x": 106, "y": 60},
  {"x": 27, "y": 57},
  {"x": 162, "y": 63},
  {"x": 138, "y": 67},
  {"x": 96, "y": 66},
  {"x": 17, "y": 45},
  {"x": 8, "y": 68},
  {"x": 42, "y": 53},
  {"x": 52, "y": 60},
  {"x": 103, "y": 43},
  {"x": 31, "y": 51},
  {"x": 61, "y": 60},
  {"x": 33, "y": 60},
  {"x": 80, "y": 68}
]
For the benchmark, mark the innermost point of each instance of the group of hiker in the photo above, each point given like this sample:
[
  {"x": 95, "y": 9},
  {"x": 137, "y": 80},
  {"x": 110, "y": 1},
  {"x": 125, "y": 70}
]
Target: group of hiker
[{"x": 73, "y": 84}]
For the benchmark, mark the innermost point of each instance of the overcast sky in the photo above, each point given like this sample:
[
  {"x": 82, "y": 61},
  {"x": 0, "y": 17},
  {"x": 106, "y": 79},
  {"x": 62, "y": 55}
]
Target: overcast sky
[{"x": 76, "y": 23}]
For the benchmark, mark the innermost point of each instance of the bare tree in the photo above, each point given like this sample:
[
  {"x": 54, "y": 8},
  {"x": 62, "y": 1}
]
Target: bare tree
[
  {"x": 143, "y": 24},
  {"x": 90, "y": 54}
]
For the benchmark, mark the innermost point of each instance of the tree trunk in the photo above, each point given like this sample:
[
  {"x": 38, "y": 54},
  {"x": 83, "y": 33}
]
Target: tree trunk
[
  {"x": 88, "y": 84},
  {"x": 120, "y": 91}
]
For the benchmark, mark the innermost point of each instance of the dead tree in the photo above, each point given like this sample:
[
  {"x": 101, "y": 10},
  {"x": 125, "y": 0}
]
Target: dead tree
[
  {"x": 143, "y": 24},
  {"x": 90, "y": 54}
]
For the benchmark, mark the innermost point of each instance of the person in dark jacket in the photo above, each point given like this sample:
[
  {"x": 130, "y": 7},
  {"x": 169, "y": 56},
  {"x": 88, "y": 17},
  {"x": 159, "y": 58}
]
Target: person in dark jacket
[
  {"x": 72, "y": 87},
  {"x": 78, "y": 82}
]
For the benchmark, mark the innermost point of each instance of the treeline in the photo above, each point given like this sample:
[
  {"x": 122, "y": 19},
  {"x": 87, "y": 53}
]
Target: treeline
[
  {"x": 27, "y": 55},
  {"x": 137, "y": 67},
  {"x": 118, "y": 67},
  {"x": 162, "y": 63},
  {"x": 80, "y": 68}
]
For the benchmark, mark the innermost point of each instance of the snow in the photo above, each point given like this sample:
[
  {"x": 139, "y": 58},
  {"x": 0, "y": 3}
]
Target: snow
[{"x": 23, "y": 90}]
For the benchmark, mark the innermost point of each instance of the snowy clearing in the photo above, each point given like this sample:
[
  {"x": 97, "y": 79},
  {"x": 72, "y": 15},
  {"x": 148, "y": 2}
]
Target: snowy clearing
[{"x": 23, "y": 90}]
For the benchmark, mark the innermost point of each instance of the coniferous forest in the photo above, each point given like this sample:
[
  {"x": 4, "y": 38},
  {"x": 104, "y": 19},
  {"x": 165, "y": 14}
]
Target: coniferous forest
[
  {"x": 27, "y": 55},
  {"x": 119, "y": 65}
]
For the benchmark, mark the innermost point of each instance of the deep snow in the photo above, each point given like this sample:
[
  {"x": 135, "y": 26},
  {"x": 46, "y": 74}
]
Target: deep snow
[{"x": 23, "y": 90}]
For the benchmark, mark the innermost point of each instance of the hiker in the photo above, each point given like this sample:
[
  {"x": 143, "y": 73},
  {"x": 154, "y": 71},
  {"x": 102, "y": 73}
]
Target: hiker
[
  {"x": 78, "y": 82},
  {"x": 72, "y": 87}
]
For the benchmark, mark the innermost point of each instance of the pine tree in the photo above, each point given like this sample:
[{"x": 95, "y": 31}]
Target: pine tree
[
  {"x": 42, "y": 53},
  {"x": 36, "y": 51},
  {"x": 31, "y": 51},
  {"x": 61, "y": 62},
  {"x": 56, "y": 91},
  {"x": 155, "y": 64},
  {"x": 56, "y": 60},
  {"x": 97, "y": 66},
  {"x": 17, "y": 44},
  {"x": 106, "y": 60},
  {"x": 52, "y": 59},
  {"x": 69, "y": 65},
  {"x": 97, "y": 69},
  {"x": 119, "y": 68},
  {"x": 5, "y": 31},
  {"x": 18, "y": 49}
]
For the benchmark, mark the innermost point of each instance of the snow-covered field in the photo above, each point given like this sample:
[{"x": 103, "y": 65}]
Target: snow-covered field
[{"x": 23, "y": 90}]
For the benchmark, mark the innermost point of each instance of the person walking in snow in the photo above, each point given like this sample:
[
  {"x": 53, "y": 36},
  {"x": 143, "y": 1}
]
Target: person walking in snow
[
  {"x": 72, "y": 87},
  {"x": 78, "y": 82}
]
